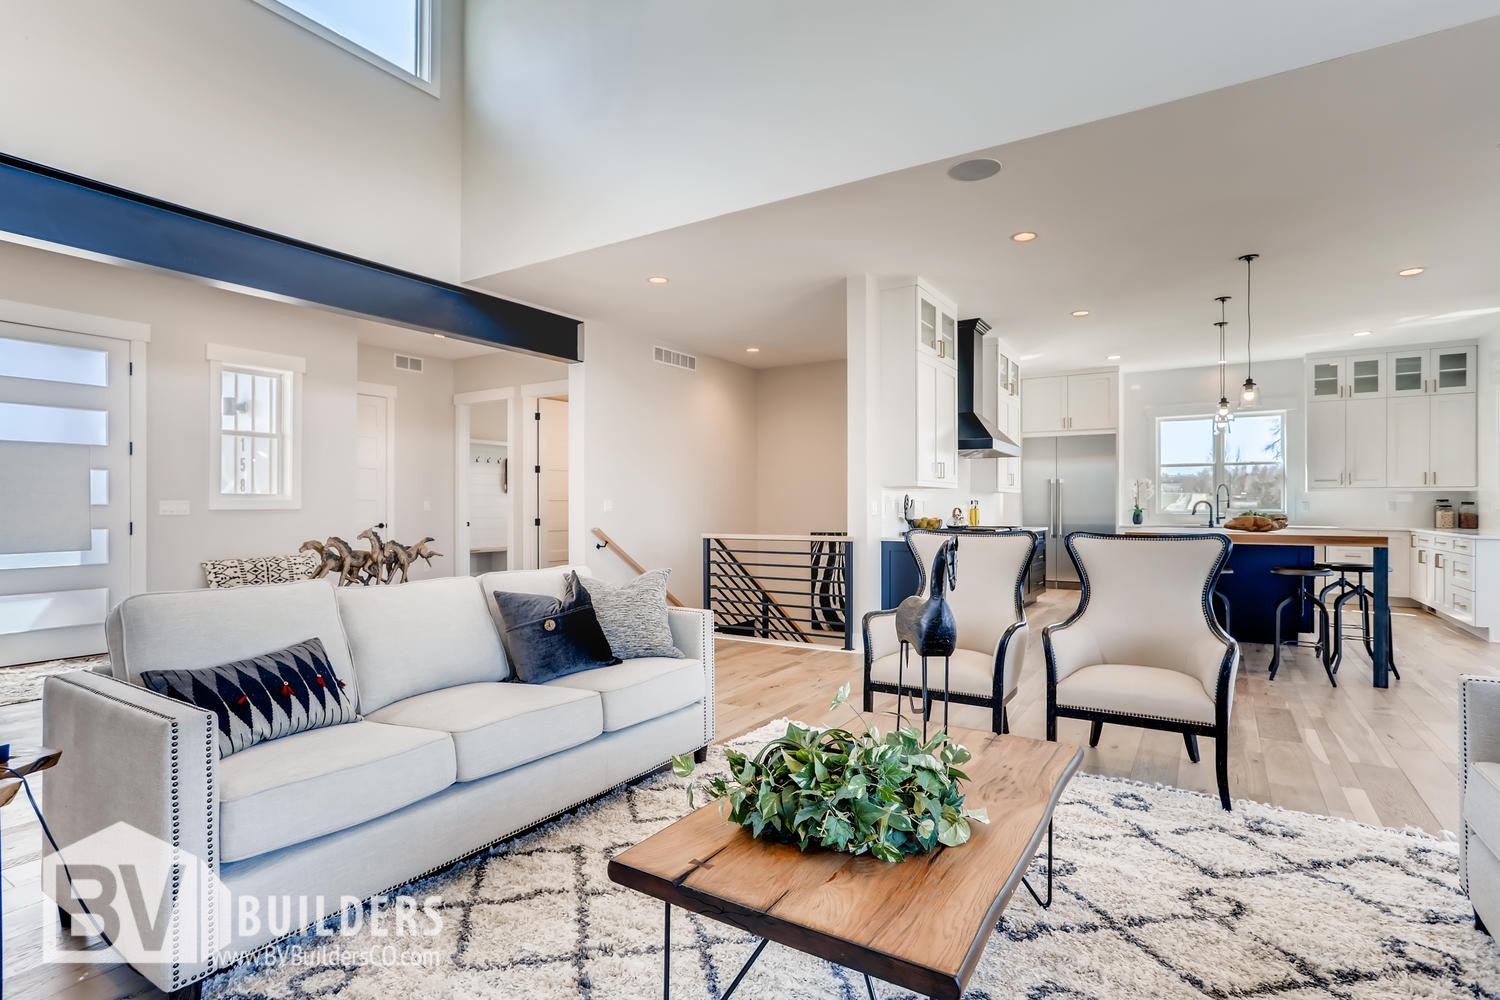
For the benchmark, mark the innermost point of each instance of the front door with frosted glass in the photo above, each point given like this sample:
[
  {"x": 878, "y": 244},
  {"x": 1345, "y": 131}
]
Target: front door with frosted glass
[{"x": 64, "y": 490}]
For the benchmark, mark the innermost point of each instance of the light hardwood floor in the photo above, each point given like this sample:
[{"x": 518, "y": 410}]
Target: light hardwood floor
[{"x": 1388, "y": 758}]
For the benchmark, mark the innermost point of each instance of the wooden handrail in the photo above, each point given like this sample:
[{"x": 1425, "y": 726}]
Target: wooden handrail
[{"x": 613, "y": 546}]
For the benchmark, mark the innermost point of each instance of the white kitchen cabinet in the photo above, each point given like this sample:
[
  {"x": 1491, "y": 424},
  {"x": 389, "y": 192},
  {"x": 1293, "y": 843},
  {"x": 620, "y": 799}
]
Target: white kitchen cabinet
[
  {"x": 1420, "y": 582},
  {"x": 1061, "y": 404},
  {"x": 1402, "y": 419},
  {"x": 1327, "y": 446},
  {"x": 919, "y": 386},
  {"x": 1001, "y": 402},
  {"x": 1458, "y": 576},
  {"x": 1455, "y": 461}
]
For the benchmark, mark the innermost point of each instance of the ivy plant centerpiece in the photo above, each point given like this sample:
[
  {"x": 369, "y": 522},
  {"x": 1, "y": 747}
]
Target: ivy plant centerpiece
[{"x": 885, "y": 794}]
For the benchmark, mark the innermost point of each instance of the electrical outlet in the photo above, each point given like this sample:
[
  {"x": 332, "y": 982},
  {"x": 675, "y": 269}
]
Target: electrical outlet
[
  {"x": 173, "y": 508},
  {"x": 1305, "y": 505},
  {"x": 426, "y": 505},
  {"x": 1391, "y": 506}
]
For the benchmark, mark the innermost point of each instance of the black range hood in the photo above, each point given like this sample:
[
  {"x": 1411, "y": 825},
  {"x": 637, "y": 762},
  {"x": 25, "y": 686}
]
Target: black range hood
[{"x": 978, "y": 437}]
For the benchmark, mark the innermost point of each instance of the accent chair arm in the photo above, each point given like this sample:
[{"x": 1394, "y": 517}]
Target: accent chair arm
[
  {"x": 1479, "y": 710},
  {"x": 1010, "y": 654},
  {"x": 131, "y": 755},
  {"x": 1070, "y": 645},
  {"x": 880, "y": 635}
]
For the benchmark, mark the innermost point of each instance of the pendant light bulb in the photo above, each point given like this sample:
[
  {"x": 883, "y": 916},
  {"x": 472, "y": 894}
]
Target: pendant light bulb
[
  {"x": 1250, "y": 391},
  {"x": 1223, "y": 408}
]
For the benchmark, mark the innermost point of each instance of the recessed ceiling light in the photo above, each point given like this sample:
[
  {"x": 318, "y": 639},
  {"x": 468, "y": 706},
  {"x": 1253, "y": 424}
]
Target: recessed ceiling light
[
  {"x": 657, "y": 279},
  {"x": 1024, "y": 237},
  {"x": 1080, "y": 313},
  {"x": 1363, "y": 333},
  {"x": 1029, "y": 357},
  {"x": 1408, "y": 272},
  {"x": 974, "y": 170},
  {"x": 752, "y": 350},
  {"x": 1113, "y": 357},
  {"x": 441, "y": 336}
]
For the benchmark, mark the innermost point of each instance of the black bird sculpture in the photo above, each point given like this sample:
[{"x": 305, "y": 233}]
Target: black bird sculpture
[{"x": 927, "y": 625}]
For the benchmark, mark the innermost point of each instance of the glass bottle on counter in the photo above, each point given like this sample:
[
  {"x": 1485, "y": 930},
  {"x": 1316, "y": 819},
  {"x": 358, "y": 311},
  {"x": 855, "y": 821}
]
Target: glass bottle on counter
[
  {"x": 973, "y": 513},
  {"x": 1468, "y": 515},
  {"x": 1443, "y": 516}
]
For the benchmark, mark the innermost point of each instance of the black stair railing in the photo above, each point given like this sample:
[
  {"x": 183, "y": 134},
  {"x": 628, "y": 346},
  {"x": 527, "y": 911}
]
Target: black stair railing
[{"x": 791, "y": 588}]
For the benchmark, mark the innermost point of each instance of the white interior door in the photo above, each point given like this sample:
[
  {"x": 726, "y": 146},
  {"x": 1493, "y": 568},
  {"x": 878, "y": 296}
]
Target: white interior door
[
  {"x": 64, "y": 488},
  {"x": 551, "y": 526},
  {"x": 372, "y": 471}
]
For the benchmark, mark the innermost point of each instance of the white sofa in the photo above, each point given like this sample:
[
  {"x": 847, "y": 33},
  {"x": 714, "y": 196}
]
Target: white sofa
[
  {"x": 1479, "y": 798},
  {"x": 446, "y": 759}
]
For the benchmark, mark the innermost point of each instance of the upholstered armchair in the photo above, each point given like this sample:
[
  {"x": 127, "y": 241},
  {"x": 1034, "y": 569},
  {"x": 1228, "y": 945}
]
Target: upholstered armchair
[
  {"x": 1144, "y": 647},
  {"x": 1479, "y": 797},
  {"x": 987, "y": 605}
]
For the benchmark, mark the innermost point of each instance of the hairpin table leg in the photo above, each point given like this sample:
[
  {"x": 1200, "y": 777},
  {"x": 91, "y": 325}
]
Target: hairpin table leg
[
  {"x": 1040, "y": 902},
  {"x": 666, "y": 957}
]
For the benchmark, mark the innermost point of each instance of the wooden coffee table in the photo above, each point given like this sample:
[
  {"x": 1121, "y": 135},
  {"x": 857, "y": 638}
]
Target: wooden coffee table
[{"x": 921, "y": 924}]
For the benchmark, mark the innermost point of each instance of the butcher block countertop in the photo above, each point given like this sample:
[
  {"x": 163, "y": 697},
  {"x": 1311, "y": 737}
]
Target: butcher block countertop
[{"x": 1286, "y": 536}]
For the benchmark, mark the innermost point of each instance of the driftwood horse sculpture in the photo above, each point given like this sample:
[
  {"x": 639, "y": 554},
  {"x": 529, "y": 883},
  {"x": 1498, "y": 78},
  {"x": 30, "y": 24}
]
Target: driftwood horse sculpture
[
  {"x": 332, "y": 562},
  {"x": 355, "y": 561},
  {"x": 926, "y": 624}
]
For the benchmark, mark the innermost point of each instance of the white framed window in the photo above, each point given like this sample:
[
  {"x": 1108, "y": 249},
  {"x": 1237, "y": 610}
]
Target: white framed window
[
  {"x": 1193, "y": 459},
  {"x": 255, "y": 429},
  {"x": 399, "y": 36}
]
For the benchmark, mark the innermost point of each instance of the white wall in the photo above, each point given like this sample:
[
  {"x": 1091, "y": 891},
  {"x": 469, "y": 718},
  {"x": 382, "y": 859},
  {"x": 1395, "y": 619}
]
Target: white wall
[
  {"x": 424, "y": 453},
  {"x": 590, "y": 123},
  {"x": 672, "y": 451},
  {"x": 229, "y": 108},
  {"x": 184, "y": 317},
  {"x": 1145, "y": 396},
  {"x": 801, "y": 448}
]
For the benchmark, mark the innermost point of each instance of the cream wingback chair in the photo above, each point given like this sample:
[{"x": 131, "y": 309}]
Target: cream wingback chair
[
  {"x": 990, "y": 569},
  {"x": 1479, "y": 798},
  {"x": 1144, "y": 648}
]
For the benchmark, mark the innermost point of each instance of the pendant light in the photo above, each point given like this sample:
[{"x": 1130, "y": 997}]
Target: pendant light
[
  {"x": 1250, "y": 390},
  {"x": 1221, "y": 419}
]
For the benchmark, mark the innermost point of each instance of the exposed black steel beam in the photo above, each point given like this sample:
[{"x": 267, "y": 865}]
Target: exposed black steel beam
[{"x": 102, "y": 221}]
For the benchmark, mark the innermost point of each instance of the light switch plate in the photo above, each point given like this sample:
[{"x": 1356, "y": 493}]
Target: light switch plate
[
  {"x": 426, "y": 505},
  {"x": 608, "y": 505},
  {"x": 174, "y": 508}
]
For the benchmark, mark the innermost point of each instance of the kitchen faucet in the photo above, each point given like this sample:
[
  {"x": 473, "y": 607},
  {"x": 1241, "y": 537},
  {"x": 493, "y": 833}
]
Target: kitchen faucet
[
  {"x": 1217, "y": 509},
  {"x": 1205, "y": 503}
]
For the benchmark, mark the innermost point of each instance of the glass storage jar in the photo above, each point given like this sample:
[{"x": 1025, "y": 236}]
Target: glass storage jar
[
  {"x": 1443, "y": 516},
  {"x": 1468, "y": 514}
]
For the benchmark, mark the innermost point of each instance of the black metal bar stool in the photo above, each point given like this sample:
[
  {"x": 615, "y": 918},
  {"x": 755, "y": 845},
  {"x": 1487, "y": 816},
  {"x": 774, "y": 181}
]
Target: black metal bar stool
[
  {"x": 1304, "y": 592},
  {"x": 1353, "y": 591},
  {"x": 1216, "y": 595}
]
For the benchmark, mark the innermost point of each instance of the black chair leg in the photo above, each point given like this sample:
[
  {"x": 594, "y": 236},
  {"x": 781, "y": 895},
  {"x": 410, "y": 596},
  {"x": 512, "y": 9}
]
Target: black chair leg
[
  {"x": 999, "y": 722},
  {"x": 1366, "y": 621},
  {"x": 1276, "y": 645},
  {"x": 1479, "y": 924},
  {"x": 1221, "y": 764},
  {"x": 1191, "y": 739},
  {"x": 1095, "y": 728}
]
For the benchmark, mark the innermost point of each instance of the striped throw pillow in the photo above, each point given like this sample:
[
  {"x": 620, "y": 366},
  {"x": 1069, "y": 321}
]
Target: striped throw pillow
[{"x": 263, "y": 697}]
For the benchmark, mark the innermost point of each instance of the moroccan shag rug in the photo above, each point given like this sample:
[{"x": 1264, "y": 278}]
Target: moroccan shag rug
[
  {"x": 1158, "y": 893},
  {"x": 19, "y": 684}
]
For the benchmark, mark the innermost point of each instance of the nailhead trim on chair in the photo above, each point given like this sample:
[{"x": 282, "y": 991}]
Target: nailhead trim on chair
[{"x": 1463, "y": 773}]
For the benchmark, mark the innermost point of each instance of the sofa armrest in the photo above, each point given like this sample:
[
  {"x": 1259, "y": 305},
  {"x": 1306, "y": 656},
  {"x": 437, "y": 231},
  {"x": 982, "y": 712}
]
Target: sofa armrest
[
  {"x": 693, "y": 634},
  {"x": 132, "y": 756}
]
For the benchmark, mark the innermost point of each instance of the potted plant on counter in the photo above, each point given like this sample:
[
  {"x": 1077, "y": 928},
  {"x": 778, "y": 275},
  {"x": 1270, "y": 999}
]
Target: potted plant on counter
[
  {"x": 887, "y": 795},
  {"x": 1141, "y": 491}
]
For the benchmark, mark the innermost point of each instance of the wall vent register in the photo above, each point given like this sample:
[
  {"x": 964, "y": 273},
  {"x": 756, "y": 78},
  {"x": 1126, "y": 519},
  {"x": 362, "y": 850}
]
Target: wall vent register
[
  {"x": 407, "y": 363},
  {"x": 674, "y": 359}
]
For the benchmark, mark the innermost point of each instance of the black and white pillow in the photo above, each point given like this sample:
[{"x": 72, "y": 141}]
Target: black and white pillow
[
  {"x": 263, "y": 697},
  {"x": 260, "y": 570},
  {"x": 633, "y": 615}
]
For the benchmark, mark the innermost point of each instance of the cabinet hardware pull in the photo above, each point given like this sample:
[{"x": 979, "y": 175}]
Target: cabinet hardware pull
[{"x": 942, "y": 348}]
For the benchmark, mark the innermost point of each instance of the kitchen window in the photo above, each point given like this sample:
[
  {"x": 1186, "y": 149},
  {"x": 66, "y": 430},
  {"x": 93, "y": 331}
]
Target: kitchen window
[
  {"x": 396, "y": 35},
  {"x": 1193, "y": 459},
  {"x": 254, "y": 429}
]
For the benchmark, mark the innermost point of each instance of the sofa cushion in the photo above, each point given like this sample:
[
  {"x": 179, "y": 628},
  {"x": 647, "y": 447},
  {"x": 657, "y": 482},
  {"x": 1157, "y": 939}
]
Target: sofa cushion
[
  {"x": 640, "y": 689},
  {"x": 258, "y": 571},
  {"x": 496, "y": 727},
  {"x": 1482, "y": 803},
  {"x": 969, "y": 671},
  {"x": 634, "y": 615},
  {"x": 549, "y": 637},
  {"x": 548, "y": 582},
  {"x": 263, "y": 697},
  {"x": 1153, "y": 692},
  {"x": 204, "y": 628},
  {"x": 287, "y": 791},
  {"x": 413, "y": 637}
]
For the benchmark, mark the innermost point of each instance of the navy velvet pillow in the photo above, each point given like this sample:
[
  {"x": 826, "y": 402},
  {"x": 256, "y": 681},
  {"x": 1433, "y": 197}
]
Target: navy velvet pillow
[
  {"x": 546, "y": 638},
  {"x": 262, "y": 697}
]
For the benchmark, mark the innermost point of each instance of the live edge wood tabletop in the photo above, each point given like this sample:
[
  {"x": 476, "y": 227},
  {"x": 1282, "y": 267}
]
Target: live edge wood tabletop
[{"x": 921, "y": 924}]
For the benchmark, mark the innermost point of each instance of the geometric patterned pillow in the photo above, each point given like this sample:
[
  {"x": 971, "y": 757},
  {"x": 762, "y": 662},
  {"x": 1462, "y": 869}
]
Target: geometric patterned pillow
[
  {"x": 259, "y": 570},
  {"x": 263, "y": 697}
]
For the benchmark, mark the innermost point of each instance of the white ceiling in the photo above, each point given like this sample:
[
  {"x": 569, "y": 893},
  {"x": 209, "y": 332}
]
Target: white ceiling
[{"x": 1338, "y": 174}]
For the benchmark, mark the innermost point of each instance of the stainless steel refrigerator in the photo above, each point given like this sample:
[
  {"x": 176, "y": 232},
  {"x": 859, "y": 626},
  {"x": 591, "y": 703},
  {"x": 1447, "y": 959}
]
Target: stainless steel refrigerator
[{"x": 1068, "y": 484}]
